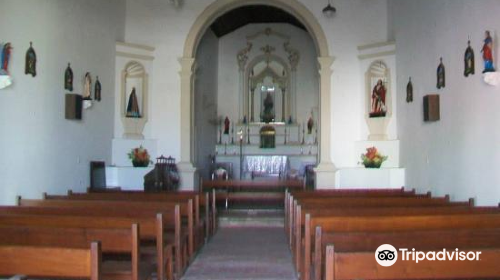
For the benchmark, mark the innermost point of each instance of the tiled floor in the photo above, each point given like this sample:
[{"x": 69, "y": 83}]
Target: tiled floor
[{"x": 244, "y": 254}]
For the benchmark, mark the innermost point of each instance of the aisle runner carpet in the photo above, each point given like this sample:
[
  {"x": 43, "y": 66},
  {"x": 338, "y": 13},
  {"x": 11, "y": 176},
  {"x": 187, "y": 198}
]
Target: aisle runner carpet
[{"x": 244, "y": 254}]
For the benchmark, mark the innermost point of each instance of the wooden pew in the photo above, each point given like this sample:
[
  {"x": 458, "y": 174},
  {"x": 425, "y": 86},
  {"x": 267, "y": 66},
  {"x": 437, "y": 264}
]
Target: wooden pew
[
  {"x": 113, "y": 240},
  {"x": 153, "y": 227},
  {"x": 120, "y": 207},
  {"x": 291, "y": 195},
  {"x": 204, "y": 201},
  {"x": 388, "y": 211},
  {"x": 370, "y": 201},
  {"x": 302, "y": 223},
  {"x": 336, "y": 202},
  {"x": 39, "y": 262},
  {"x": 346, "y": 224},
  {"x": 351, "y": 255},
  {"x": 231, "y": 187},
  {"x": 202, "y": 225}
]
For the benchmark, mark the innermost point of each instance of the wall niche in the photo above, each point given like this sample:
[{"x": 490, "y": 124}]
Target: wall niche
[{"x": 134, "y": 100}]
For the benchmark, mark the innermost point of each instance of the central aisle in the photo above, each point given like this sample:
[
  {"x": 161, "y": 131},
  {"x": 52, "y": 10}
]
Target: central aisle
[{"x": 244, "y": 253}]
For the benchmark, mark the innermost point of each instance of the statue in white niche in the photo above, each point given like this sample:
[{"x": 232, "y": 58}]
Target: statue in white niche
[{"x": 378, "y": 108}]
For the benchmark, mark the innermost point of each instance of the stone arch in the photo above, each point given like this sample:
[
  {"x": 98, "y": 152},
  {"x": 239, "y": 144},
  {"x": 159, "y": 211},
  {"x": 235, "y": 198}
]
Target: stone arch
[
  {"x": 325, "y": 171},
  {"x": 220, "y": 7}
]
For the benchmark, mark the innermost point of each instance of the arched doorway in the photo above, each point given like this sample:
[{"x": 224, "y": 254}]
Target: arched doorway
[{"x": 325, "y": 169}]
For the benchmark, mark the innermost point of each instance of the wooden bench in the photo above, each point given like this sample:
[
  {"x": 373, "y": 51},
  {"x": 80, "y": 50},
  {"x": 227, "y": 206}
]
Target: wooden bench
[
  {"x": 395, "y": 224},
  {"x": 201, "y": 222},
  {"x": 36, "y": 261},
  {"x": 205, "y": 200},
  {"x": 113, "y": 241},
  {"x": 351, "y": 256},
  {"x": 368, "y": 201},
  {"x": 336, "y": 202},
  {"x": 303, "y": 225},
  {"x": 232, "y": 187},
  {"x": 122, "y": 208},
  {"x": 153, "y": 227},
  {"x": 291, "y": 195},
  {"x": 302, "y": 210}
]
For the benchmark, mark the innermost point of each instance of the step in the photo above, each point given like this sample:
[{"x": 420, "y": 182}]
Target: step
[{"x": 251, "y": 218}]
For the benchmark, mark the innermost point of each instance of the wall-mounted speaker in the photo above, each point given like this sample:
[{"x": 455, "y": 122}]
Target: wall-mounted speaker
[
  {"x": 73, "y": 106},
  {"x": 431, "y": 108}
]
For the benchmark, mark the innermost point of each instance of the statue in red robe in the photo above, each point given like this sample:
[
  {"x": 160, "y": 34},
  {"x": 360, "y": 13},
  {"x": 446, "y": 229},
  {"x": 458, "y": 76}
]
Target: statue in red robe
[
  {"x": 488, "y": 53},
  {"x": 378, "y": 108}
]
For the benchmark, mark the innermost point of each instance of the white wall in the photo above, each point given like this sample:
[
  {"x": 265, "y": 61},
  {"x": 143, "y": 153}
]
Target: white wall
[
  {"x": 458, "y": 155},
  {"x": 307, "y": 70},
  {"x": 41, "y": 151},
  {"x": 206, "y": 85},
  {"x": 357, "y": 22}
]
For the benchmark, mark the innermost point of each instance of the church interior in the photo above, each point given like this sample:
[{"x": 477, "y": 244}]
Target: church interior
[{"x": 244, "y": 139}]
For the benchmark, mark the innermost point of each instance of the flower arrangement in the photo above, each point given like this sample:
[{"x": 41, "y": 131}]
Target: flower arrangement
[
  {"x": 372, "y": 158},
  {"x": 139, "y": 157}
]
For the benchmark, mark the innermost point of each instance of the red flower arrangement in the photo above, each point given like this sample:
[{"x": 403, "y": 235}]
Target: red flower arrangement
[
  {"x": 140, "y": 157},
  {"x": 372, "y": 158}
]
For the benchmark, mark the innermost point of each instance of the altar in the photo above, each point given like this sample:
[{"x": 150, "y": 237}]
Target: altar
[
  {"x": 294, "y": 149},
  {"x": 265, "y": 165}
]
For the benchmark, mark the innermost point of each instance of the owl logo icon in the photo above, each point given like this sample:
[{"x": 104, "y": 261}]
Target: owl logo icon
[{"x": 386, "y": 255}]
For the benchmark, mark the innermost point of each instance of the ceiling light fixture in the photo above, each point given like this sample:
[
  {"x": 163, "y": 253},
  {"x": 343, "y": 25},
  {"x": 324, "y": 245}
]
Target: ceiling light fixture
[{"x": 329, "y": 10}]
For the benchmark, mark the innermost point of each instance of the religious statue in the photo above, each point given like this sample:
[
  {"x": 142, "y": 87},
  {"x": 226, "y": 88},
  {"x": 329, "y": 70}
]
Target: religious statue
[
  {"x": 441, "y": 78},
  {"x": 86, "y": 87},
  {"x": 68, "y": 78},
  {"x": 409, "y": 91},
  {"x": 469, "y": 60},
  {"x": 133, "y": 106},
  {"x": 488, "y": 53},
  {"x": 226, "y": 125},
  {"x": 30, "y": 66},
  {"x": 268, "y": 115},
  {"x": 5, "y": 57},
  {"x": 378, "y": 108},
  {"x": 310, "y": 124},
  {"x": 97, "y": 89}
]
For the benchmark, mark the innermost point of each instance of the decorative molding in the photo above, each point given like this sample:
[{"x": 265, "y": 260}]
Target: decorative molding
[
  {"x": 135, "y": 56},
  {"x": 268, "y": 49},
  {"x": 136, "y": 46},
  {"x": 293, "y": 55},
  {"x": 268, "y": 32},
  {"x": 376, "y": 45},
  {"x": 242, "y": 56},
  {"x": 374, "y": 55}
]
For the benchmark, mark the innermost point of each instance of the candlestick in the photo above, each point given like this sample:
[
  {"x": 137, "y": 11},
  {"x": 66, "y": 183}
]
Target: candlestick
[
  {"x": 298, "y": 133},
  {"x": 232, "y": 134},
  {"x": 285, "y": 136},
  {"x": 220, "y": 135},
  {"x": 304, "y": 134}
]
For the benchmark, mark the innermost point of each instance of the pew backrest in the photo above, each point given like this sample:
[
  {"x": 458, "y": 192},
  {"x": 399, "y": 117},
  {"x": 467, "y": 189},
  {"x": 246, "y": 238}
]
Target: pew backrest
[{"x": 39, "y": 261}]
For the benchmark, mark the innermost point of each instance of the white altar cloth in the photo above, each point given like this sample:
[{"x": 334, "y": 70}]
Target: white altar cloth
[{"x": 266, "y": 164}]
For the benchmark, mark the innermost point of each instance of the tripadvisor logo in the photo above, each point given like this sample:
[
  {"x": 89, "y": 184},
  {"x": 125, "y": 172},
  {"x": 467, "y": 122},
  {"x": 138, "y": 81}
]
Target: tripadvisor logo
[{"x": 387, "y": 255}]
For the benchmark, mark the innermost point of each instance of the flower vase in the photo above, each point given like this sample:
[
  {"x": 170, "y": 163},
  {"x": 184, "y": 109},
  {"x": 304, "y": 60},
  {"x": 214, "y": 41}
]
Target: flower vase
[
  {"x": 372, "y": 164},
  {"x": 140, "y": 163}
]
